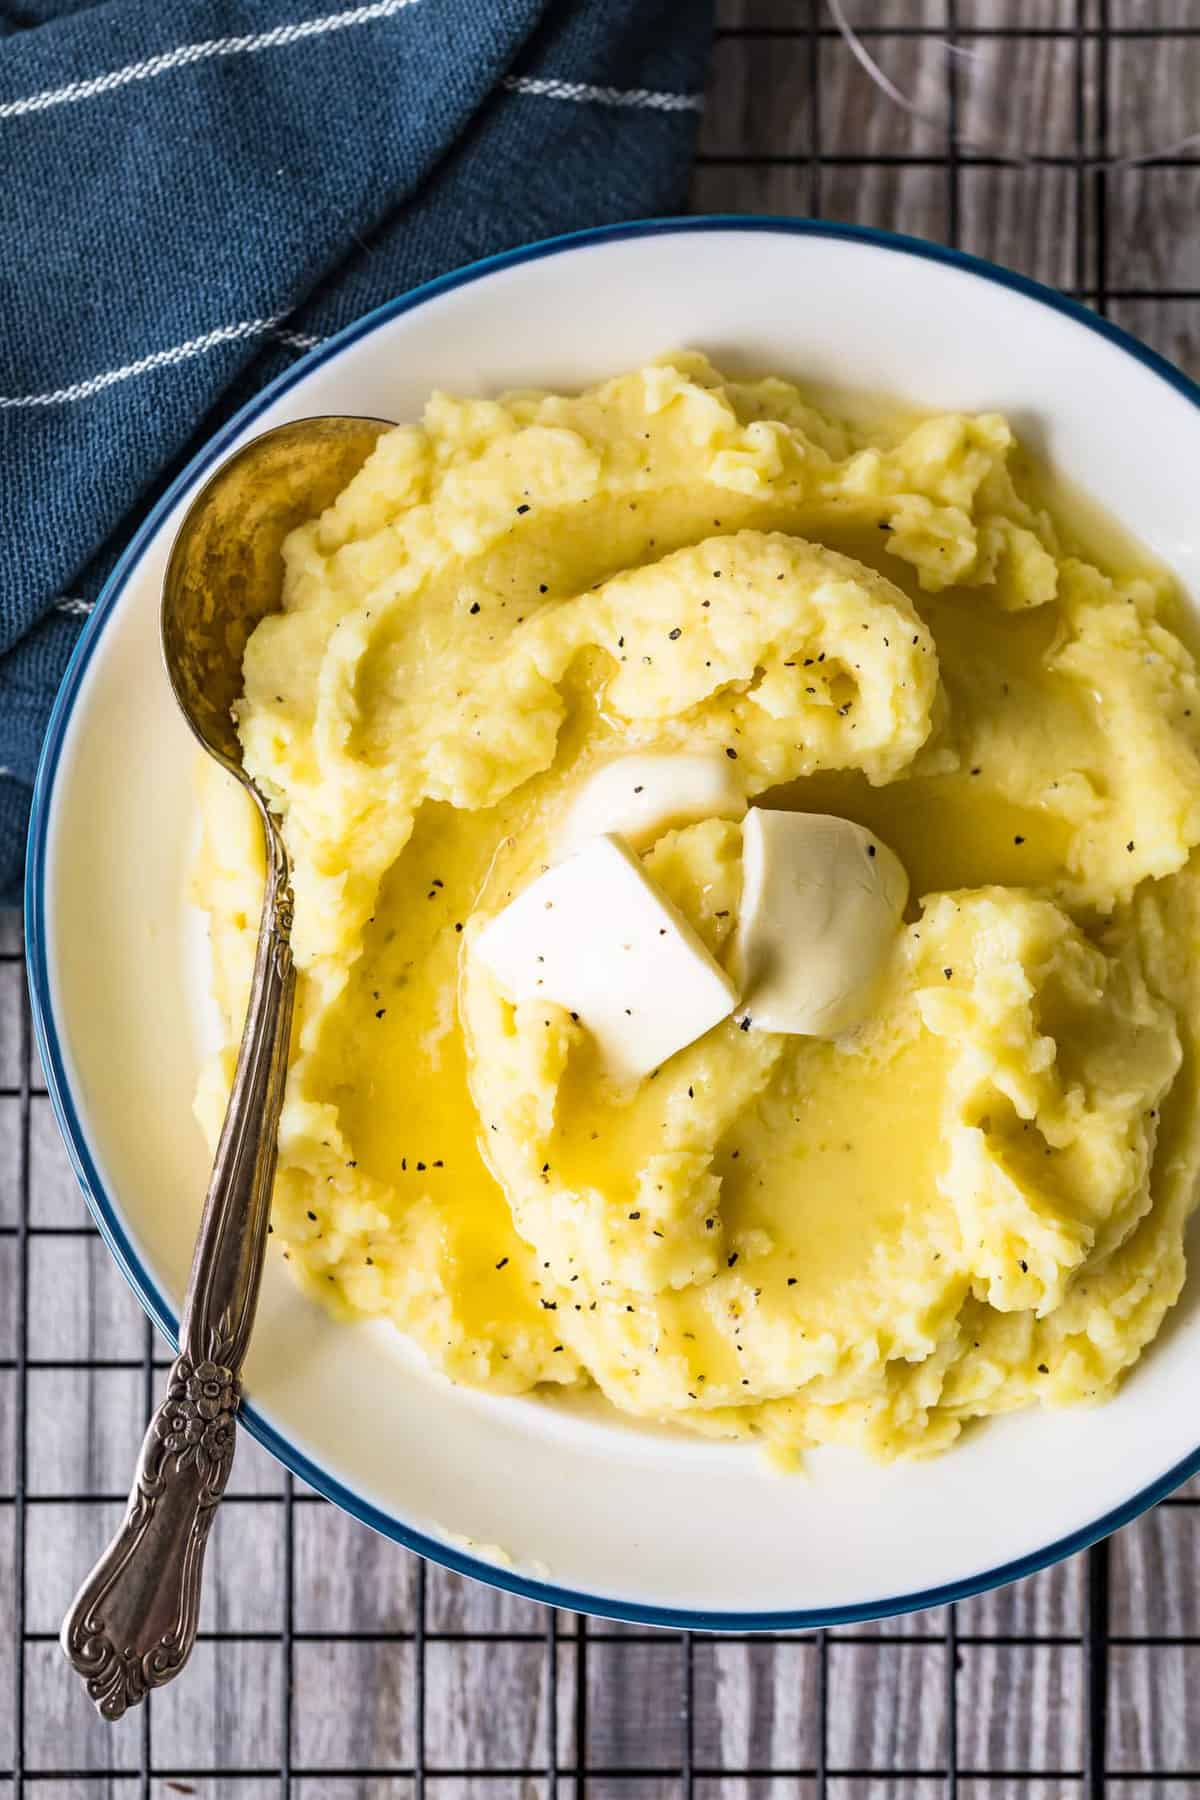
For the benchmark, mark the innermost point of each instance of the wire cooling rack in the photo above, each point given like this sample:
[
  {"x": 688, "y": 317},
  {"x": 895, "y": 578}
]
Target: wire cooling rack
[{"x": 333, "y": 1666}]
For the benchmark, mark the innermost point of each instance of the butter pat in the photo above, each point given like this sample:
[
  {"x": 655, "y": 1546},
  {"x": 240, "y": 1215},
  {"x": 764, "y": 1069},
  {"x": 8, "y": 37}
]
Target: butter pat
[
  {"x": 822, "y": 901},
  {"x": 595, "y": 935},
  {"x": 640, "y": 797}
]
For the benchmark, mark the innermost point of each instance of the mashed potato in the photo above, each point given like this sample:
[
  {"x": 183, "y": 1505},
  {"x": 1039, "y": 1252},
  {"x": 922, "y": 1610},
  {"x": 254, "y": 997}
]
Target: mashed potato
[{"x": 975, "y": 1202}]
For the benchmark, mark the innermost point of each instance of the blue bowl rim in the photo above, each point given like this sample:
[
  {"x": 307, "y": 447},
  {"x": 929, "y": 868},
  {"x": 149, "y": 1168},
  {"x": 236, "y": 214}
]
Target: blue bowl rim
[{"x": 101, "y": 1206}]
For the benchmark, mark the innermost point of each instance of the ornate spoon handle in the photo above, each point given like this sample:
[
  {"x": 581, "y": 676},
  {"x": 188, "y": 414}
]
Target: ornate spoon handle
[{"x": 133, "y": 1622}]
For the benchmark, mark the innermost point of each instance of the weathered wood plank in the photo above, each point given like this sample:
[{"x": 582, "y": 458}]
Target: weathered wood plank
[
  {"x": 54, "y": 1196},
  {"x": 634, "y": 1717},
  {"x": 489, "y": 1706},
  {"x": 76, "y": 1313},
  {"x": 10, "y": 1160},
  {"x": 62, "y": 1730},
  {"x": 12, "y": 987},
  {"x": 347, "y": 1579},
  {"x": 880, "y": 1787},
  {"x": 8, "y": 1591},
  {"x": 456, "y": 1603},
  {"x": 1170, "y": 326},
  {"x": 1154, "y": 1564},
  {"x": 354, "y": 1706},
  {"x": 1019, "y": 1788},
  {"x": 755, "y": 1705},
  {"x": 931, "y": 1623},
  {"x": 1049, "y": 1604},
  {"x": 781, "y": 1787},
  {"x": 887, "y": 1706},
  {"x": 324, "y": 1787},
  {"x": 1153, "y": 1719},
  {"x": 1152, "y": 215},
  {"x": 87, "y": 1429},
  {"x": 228, "y": 1713},
  {"x": 1025, "y": 219},
  {"x": 1020, "y": 1706}
]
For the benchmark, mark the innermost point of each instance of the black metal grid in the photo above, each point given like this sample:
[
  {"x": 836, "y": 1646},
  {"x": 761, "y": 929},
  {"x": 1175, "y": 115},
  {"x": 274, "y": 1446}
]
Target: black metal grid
[{"x": 567, "y": 1705}]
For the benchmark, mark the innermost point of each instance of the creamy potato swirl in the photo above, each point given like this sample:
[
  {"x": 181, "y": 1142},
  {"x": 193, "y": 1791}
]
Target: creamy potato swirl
[{"x": 975, "y": 1202}]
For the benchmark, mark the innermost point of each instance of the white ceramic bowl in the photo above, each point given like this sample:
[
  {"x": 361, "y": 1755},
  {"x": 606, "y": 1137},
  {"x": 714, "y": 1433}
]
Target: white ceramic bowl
[{"x": 593, "y": 1515}]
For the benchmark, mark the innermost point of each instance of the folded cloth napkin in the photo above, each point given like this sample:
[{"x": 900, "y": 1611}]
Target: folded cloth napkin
[{"x": 195, "y": 192}]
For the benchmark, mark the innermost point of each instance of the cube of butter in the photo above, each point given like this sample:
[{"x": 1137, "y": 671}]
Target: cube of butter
[{"x": 596, "y": 935}]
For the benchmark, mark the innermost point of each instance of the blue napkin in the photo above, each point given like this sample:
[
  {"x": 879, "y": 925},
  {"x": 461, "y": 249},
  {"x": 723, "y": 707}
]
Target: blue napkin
[{"x": 194, "y": 192}]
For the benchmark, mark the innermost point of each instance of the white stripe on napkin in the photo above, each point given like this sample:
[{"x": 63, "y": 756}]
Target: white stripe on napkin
[
  {"x": 653, "y": 99},
  {"x": 76, "y": 609},
  {"x": 162, "y": 359},
  {"x": 278, "y": 37}
]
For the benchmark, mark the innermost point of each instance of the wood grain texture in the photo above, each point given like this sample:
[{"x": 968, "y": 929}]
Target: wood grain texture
[
  {"x": 356, "y": 1600},
  {"x": 1169, "y": 326},
  {"x": 886, "y": 1706},
  {"x": 1020, "y": 1706},
  {"x": 1155, "y": 1592},
  {"x": 347, "y": 1580},
  {"x": 755, "y": 1705},
  {"x": 1153, "y": 1720},
  {"x": 1049, "y": 1604}
]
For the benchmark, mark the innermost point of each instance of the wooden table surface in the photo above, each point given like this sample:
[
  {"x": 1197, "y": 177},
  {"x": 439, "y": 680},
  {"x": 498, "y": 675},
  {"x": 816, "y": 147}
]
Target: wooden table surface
[{"x": 394, "y": 1667}]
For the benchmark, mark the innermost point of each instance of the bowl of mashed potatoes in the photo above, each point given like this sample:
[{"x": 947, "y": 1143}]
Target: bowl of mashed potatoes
[{"x": 740, "y": 757}]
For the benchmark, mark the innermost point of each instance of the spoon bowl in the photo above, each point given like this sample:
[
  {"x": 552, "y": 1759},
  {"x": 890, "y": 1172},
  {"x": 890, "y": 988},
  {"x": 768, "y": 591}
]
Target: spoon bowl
[{"x": 225, "y": 573}]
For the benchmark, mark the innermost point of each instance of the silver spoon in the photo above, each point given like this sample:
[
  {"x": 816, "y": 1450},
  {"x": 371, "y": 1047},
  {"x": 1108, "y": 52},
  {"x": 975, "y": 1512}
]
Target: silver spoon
[{"x": 133, "y": 1622}]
